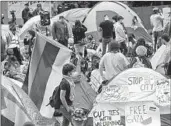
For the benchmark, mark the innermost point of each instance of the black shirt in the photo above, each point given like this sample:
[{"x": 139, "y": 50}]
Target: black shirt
[
  {"x": 79, "y": 33},
  {"x": 64, "y": 85},
  {"x": 107, "y": 27}
]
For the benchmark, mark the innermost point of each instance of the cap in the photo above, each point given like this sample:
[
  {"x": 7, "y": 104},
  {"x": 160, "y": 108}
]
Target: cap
[
  {"x": 115, "y": 17},
  {"x": 141, "y": 50}
]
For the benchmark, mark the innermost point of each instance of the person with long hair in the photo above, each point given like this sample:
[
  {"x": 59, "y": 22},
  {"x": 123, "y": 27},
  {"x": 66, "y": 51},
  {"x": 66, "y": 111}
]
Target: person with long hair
[{"x": 79, "y": 37}]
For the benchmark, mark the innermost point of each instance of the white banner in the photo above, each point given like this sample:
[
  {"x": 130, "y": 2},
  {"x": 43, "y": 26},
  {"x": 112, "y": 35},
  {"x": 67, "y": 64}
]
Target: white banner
[
  {"x": 142, "y": 114},
  {"x": 106, "y": 115}
]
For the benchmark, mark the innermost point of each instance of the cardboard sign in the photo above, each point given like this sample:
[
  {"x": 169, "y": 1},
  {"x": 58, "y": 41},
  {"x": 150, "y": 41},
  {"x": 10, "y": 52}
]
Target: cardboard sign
[
  {"x": 106, "y": 115},
  {"x": 142, "y": 114},
  {"x": 163, "y": 92}
]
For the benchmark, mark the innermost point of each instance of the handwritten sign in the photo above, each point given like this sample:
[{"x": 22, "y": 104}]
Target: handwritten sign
[
  {"x": 115, "y": 93},
  {"x": 163, "y": 92},
  {"x": 142, "y": 114},
  {"x": 141, "y": 83},
  {"x": 106, "y": 115}
]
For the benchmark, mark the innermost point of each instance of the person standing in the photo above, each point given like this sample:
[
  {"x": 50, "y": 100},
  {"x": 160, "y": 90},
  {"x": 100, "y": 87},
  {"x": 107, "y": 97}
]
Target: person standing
[
  {"x": 113, "y": 62},
  {"x": 156, "y": 20},
  {"x": 67, "y": 93},
  {"x": 107, "y": 32},
  {"x": 60, "y": 31},
  {"x": 38, "y": 10},
  {"x": 121, "y": 36},
  {"x": 79, "y": 36},
  {"x": 114, "y": 18},
  {"x": 25, "y": 13}
]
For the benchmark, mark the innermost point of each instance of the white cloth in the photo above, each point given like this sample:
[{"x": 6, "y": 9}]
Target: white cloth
[
  {"x": 95, "y": 79},
  {"x": 157, "y": 22},
  {"x": 113, "y": 63},
  {"x": 119, "y": 32}
]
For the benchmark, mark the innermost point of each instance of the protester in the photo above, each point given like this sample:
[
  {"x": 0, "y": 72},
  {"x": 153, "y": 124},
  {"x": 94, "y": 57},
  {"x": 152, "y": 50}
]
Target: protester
[
  {"x": 166, "y": 41},
  {"x": 67, "y": 93},
  {"x": 121, "y": 37},
  {"x": 25, "y": 13},
  {"x": 31, "y": 41},
  {"x": 106, "y": 27},
  {"x": 131, "y": 44},
  {"x": 115, "y": 19},
  {"x": 60, "y": 31},
  {"x": 141, "y": 41},
  {"x": 79, "y": 37},
  {"x": 38, "y": 10},
  {"x": 156, "y": 20},
  {"x": 112, "y": 62},
  {"x": 141, "y": 60},
  {"x": 95, "y": 78}
]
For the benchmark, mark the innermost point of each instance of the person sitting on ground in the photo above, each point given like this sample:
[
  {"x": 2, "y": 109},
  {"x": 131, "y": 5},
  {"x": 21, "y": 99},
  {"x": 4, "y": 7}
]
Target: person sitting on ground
[
  {"x": 131, "y": 44},
  {"x": 141, "y": 41},
  {"x": 112, "y": 62},
  {"x": 95, "y": 78},
  {"x": 141, "y": 60}
]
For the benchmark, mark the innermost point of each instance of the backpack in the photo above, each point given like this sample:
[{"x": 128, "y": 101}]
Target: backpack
[{"x": 54, "y": 100}]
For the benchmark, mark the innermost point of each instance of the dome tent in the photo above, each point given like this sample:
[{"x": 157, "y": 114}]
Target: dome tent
[
  {"x": 136, "y": 85},
  {"x": 96, "y": 15}
]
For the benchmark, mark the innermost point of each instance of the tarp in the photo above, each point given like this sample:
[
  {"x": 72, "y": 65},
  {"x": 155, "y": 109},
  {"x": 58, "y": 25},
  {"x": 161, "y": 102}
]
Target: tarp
[{"x": 96, "y": 16}]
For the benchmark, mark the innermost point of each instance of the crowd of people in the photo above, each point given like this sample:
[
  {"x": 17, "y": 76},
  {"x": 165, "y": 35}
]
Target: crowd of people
[{"x": 98, "y": 62}]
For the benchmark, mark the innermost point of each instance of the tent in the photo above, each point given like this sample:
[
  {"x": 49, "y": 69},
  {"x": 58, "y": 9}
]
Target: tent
[
  {"x": 96, "y": 15},
  {"x": 132, "y": 87},
  {"x": 71, "y": 15}
]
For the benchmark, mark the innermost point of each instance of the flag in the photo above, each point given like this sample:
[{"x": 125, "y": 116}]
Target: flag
[
  {"x": 45, "y": 71},
  {"x": 17, "y": 102}
]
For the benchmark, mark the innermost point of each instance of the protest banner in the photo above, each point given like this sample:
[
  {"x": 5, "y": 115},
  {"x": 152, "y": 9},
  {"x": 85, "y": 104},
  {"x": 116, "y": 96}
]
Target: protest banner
[
  {"x": 163, "y": 92},
  {"x": 142, "y": 114},
  {"x": 106, "y": 115}
]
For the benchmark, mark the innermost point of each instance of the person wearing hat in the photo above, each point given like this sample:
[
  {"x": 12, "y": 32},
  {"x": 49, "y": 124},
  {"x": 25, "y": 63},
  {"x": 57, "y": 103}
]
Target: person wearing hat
[
  {"x": 106, "y": 27},
  {"x": 141, "y": 60},
  {"x": 113, "y": 62},
  {"x": 60, "y": 31},
  {"x": 25, "y": 13},
  {"x": 156, "y": 20},
  {"x": 38, "y": 10},
  {"x": 120, "y": 34}
]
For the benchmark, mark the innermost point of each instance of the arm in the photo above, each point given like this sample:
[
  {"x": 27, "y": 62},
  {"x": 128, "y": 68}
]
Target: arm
[{"x": 62, "y": 97}]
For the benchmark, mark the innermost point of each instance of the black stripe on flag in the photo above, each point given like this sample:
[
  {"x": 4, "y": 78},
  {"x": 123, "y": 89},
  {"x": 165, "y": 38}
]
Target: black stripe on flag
[{"x": 42, "y": 73}]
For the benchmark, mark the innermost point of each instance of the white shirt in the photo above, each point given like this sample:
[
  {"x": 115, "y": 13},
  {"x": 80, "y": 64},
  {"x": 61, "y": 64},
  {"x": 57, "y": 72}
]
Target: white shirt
[
  {"x": 119, "y": 32},
  {"x": 113, "y": 63},
  {"x": 157, "y": 22}
]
